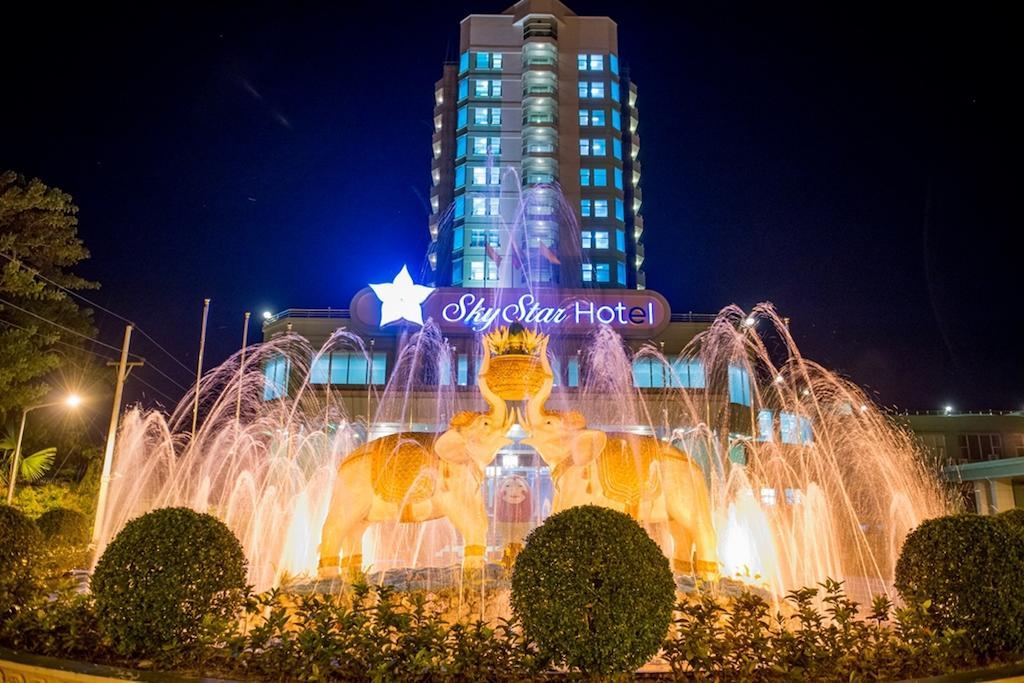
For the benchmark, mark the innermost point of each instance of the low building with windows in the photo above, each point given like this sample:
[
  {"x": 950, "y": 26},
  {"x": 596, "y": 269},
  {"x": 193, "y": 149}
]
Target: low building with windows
[{"x": 982, "y": 451}]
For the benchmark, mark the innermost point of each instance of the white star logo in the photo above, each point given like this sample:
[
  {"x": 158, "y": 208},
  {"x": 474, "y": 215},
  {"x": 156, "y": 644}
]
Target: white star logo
[{"x": 401, "y": 299}]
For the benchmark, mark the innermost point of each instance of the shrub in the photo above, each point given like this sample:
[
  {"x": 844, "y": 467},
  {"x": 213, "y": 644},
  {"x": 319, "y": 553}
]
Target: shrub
[
  {"x": 167, "y": 580},
  {"x": 66, "y": 533},
  {"x": 593, "y": 590},
  {"x": 20, "y": 546},
  {"x": 1014, "y": 517},
  {"x": 64, "y": 525},
  {"x": 968, "y": 568}
]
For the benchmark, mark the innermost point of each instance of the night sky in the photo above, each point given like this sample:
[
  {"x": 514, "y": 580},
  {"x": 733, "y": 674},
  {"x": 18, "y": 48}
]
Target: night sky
[{"x": 859, "y": 167}]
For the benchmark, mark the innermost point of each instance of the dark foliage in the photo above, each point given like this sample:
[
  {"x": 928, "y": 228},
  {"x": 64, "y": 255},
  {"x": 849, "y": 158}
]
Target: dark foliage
[
  {"x": 20, "y": 549},
  {"x": 968, "y": 568},
  {"x": 593, "y": 590},
  {"x": 167, "y": 580}
]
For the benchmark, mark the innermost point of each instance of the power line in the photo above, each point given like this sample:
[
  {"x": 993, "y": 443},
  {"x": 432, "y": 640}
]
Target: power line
[
  {"x": 92, "y": 339},
  {"x": 92, "y": 303},
  {"x": 98, "y": 355}
]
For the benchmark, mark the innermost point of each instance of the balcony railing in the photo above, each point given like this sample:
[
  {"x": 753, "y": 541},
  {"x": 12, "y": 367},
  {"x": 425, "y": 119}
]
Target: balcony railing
[{"x": 308, "y": 313}]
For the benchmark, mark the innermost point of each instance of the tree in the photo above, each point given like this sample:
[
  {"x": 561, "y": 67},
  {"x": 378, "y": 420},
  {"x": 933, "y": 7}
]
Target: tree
[{"x": 39, "y": 245}]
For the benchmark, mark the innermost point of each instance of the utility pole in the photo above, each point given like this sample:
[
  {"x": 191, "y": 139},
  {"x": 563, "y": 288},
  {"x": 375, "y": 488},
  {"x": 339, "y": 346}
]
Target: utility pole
[
  {"x": 241, "y": 369},
  {"x": 123, "y": 367},
  {"x": 199, "y": 367}
]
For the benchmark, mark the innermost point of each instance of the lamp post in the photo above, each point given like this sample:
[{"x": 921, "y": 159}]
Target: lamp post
[{"x": 71, "y": 401}]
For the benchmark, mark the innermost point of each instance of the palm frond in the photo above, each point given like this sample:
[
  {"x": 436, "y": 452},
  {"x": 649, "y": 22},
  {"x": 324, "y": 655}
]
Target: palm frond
[{"x": 34, "y": 467}]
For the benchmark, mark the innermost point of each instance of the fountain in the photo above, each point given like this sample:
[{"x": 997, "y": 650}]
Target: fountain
[{"x": 813, "y": 481}]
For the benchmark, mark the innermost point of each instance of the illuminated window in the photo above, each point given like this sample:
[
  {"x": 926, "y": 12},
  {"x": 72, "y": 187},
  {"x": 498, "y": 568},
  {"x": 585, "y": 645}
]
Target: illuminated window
[
  {"x": 585, "y": 62},
  {"x": 480, "y": 146},
  {"x": 480, "y": 116},
  {"x": 600, "y": 236},
  {"x": 597, "y": 62},
  {"x": 493, "y": 206},
  {"x": 457, "y": 237},
  {"x": 479, "y": 206},
  {"x": 489, "y": 60},
  {"x": 479, "y": 175},
  {"x": 615, "y": 90},
  {"x": 573, "y": 371},
  {"x": 482, "y": 89},
  {"x": 495, "y": 147},
  {"x": 600, "y": 177},
  {"x": 768, "y": 496},
  {"x": 586, "y": 239},
  {"x": 349, "y": 367},
  {"x": 618, "y": 178},
  {"x": 620, "y": 240},
  {"x": 463, "y": 89},
  {"x": 275, "y": 378},
  {"x": 603, "y": 272},
  {"x": 601, "y": 210},
  {"x": 460, "y": 206},
  {"x": 616, "y": 119},
  {"x": 479, "y": 237},
  {"x": 687, "y": 373},
  {"x": 584, "y": 176},
  {"x": 620, "y": 273},
  {"x": 460, "y": 146},
  {"x": 457, "y": 271},
  {"x": 463, "y": 62},
  {"x": 476, "y": 270},
  {"x": 789, "y": 431},
  {"x": 584, "y": 147},
  {"x": 620, "y": 211},
  {"x": 648, "y": 373},
  {"x": 584, "y": 117},
  {"x": 765, "y": 426},
  {"x": 588, "y": 272},
  {"x": 597, "y": 117},
  {"x": 484, "y": 175},
  {"x": 582, "y": 62},
  {"x": 617, "y": 148},
  {"x": 599, "y": 147},
  {"x": 462, "y": 117},
  {"x": 460, "y": 176},
  {"x": 613, "y": 63},
  {"x": 585, "y": 208},
  {"x": 591, "y": 89},
  {"x": 739, "y": 385}
]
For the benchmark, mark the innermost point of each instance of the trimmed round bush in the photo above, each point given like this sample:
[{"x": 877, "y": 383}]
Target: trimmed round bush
[
  {"x": 969, "y": 567},
  {"x": 166, "y": 579},
  {"x": 594, "y": 591},
  {"x": 64, "y": 525},
  {"x": 1014, "y": 517},
  {"x": 20, "y": 546}
]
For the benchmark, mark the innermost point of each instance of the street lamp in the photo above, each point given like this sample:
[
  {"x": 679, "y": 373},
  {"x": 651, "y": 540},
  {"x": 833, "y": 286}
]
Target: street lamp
[{"x": 71, "y": 401}]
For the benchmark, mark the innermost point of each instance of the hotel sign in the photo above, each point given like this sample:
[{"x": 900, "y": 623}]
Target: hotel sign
[{"x": 633, "y": 313}]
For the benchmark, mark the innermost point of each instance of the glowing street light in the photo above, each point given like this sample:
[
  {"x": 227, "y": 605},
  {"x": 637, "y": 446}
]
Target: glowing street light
[
  {"x": 267, "y": 315},
  {"x": 948, "y": 410},
  {"x": 70, "y": 401},
  {"x": 750, "y": 321}
]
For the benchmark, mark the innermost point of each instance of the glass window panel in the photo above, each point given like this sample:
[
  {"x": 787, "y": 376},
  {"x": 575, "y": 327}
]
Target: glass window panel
[
  {"x": 616, "y": 119},
  {"x": 481, "y": 87},
  {"x": 463, "y": 88},
  {"x": 462, "y": 117},
  {"x": 601, "y": 236},
  {"x": 584, "y": 176},
  {"x": 573, "y": 372},
  {"x": 597, "y": 117},
  {"x": 597, "y": 62},
  {"x": 463, "y": 62},
  {"x": 620, "y": 240},
  {"x": 457, "y": 237},
  {"x": 613, "y": 63},
  {"x": 460, "y": 146},
  {"x": 601, "y": 210},
  {"x": 618, "y": 178},
  {"x": 600, "y": 177},
  {"x": 584, "y": 117},
  {"x": 617, "y": 148},
  {"x": 479, "y": 145},
  {"x": 496, "y": 60},
  {"x": 585, "y": 208},
  {"x": 479, "y": 175},
  {"x": 620, "y": 211},
  {"x": 457, "y": 271},
  {"x": 476, "y": 270},
  {"x": 358, "y": 369},
  {"x": 599, "y": 147},
  {"x": 479, "y": 206},
  {"x": 582, "y": 62},
  {"x": 495, "y": 116},
  {"x": 480, "y": 117},
  {"x": 620, "y": 273},
  {"x": 584, "y": 147},
  {"x": 460, "y": 176},
  {"x": 586, "y": 239},
  {"x": 615, "y": 90},
  {"x": 588, "y": 272},
  {"x": 597, "y": 89},
  {"x": 603, "y": 272},
  {"x": 584, "y": 88},
  {"x": 462, "y": 372},
  {"x": 460, "y": 206}
]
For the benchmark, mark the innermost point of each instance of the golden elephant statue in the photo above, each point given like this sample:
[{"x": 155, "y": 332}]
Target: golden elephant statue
[
  {"x": 639, "y": 475},
  {"x": 415, "y": 477}
]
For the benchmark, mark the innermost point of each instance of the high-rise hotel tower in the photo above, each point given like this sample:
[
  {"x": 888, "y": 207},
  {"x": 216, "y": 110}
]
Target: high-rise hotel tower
[{"x": 536, "y": 177}]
